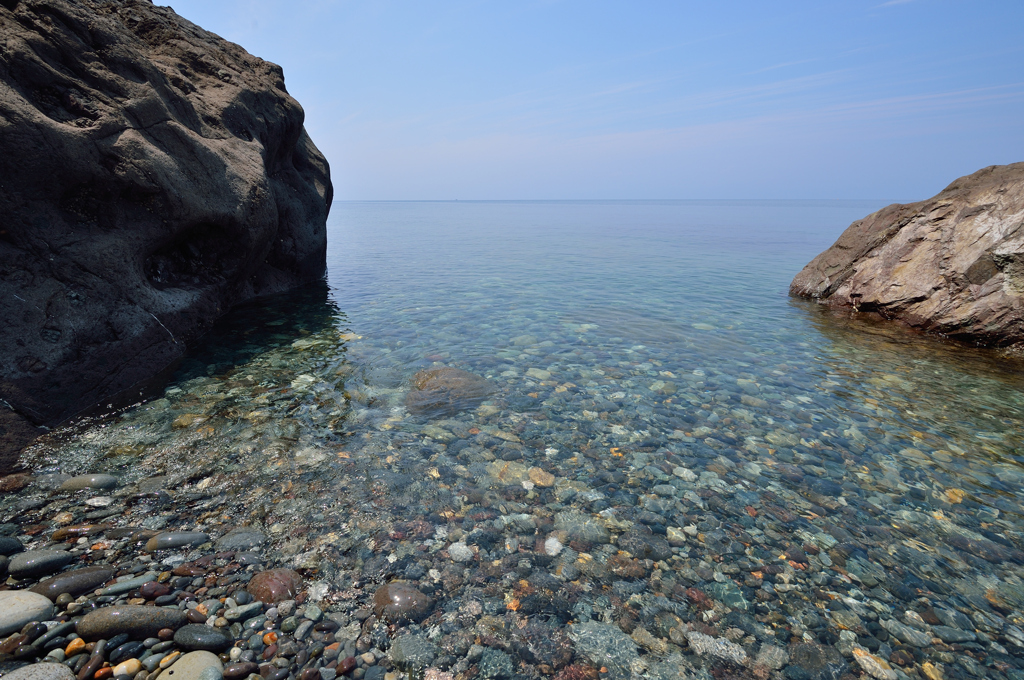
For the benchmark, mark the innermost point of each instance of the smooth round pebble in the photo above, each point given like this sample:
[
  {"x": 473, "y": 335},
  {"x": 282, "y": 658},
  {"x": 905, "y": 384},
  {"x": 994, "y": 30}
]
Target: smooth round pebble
[
  {"x": 135, "y": 620},
  {"x": 242, "y": 538},
  {"x": 18, "y": 607},
  {"x": 75, "y": 582},
  {"x": 196, "y": 636},
  {"x": 41, "y": 671},
  {"x": 37, "y": 563},
  {"x": 191, "y": 666},
  {"x": 176, "y": 539},
  {"x": 89, "y": 482},
  {"x": 10, "y": 545},
  {"x": 275, "y": 585},
  {"x": 397, "y": 601}
]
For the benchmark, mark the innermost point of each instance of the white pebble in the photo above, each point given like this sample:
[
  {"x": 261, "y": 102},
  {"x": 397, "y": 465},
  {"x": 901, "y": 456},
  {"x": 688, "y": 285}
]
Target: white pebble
[
  {"x": 553, "y": 546},
  {"x": 460, "y": 552}
]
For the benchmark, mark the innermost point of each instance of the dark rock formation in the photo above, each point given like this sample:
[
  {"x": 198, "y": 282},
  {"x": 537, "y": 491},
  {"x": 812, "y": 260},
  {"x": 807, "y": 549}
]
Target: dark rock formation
[
  {"x": 953, "y": 264},
  {"x": 152, "y": 175}
]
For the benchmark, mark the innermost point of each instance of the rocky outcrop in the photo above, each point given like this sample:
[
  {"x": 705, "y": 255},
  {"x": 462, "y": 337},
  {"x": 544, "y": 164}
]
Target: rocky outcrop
[
  {"x": 152, "y": 175},
  {"x": 953, "y": 264}
]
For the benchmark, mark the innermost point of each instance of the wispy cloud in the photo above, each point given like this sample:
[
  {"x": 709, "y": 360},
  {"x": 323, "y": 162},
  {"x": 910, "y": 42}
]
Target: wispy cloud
[{"x": 890, "y": 3}]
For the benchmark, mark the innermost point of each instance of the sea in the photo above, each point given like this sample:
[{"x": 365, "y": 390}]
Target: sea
[{"x": 677, "y": 467}]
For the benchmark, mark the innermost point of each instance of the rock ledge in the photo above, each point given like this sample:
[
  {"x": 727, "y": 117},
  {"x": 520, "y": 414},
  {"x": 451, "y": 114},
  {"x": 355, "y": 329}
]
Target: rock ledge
[
  {"x": 953, "y": 264},
  {"x": 153, "y": 176}
]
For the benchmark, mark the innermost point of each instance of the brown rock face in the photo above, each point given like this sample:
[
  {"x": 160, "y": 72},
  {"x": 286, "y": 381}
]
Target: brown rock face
[
  {"x": 152, "y": 175},
  {"x": 953, "y": 264},
  {"x": 446, "y": 390},
  {"x": 275, "y": 585},
  {"x": 401, "y": 602}
]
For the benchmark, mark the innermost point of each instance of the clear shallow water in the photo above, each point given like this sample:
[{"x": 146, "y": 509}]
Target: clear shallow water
[{"x": 817, "y": 476}]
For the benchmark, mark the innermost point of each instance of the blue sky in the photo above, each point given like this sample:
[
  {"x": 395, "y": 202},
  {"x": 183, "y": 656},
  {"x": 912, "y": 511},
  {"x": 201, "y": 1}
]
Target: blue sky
[{"x": 552, "y": 99}]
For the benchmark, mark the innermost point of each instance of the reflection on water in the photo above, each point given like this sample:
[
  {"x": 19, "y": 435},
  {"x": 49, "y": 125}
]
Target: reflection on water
[{"x": 674, "y": 449}]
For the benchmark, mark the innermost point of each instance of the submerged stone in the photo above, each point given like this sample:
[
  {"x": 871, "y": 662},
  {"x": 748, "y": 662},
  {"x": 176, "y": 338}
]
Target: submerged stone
[
  {"x": 275, "y": 585},
  {"x": 89, "y": 482},
  {"x": 446, "y": 390},
  {"x": 605, "y": 645},
  {"x": 398, "y": 601}
]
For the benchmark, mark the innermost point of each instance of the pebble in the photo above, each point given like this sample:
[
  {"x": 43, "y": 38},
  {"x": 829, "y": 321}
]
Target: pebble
[
  {"x": 38, "y": 562},
  {"x": 129, "y": 584},
  {"x": 151, "y": 663},
  {"x": 96, "y": 481},
  {"x": 19, "y": 607},
  {"x": 243, "y": 612},
  {"x": 275, "y": 585},
  {"x": 10, "y": 545},
  {"x": 241, "y": 669},
  {"x": 411, "y": 652},
  {"x": 906, "y": 634},
  {"x": 137, "y": 621},
  {"x": 41, "y": 671},
  {"x": 130, "y": 667},
  {"x": 168, "y": 540},
  {"x": 541, "y": 478},
  {"x": 242, "y": 538},
  {"x": 605, "y": 645},
  {"x": 169, "y": 659},
  {"x": 193, "y": 637},
  {"x": 874, "y": 666},
  {"x": 705, "y": 645},
  {"x": 460, "y": 552},
  {"x": 397, "y": 601}
]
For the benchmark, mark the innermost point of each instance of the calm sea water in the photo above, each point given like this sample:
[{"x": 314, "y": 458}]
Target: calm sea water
[{"x": 653, "y": 384}]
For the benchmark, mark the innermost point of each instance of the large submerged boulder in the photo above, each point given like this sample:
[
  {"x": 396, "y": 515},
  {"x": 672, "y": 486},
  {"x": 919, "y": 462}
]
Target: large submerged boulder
[
  {"x": 953, "y": 264},
  {"x": 446, "y": 390},
  {"x": 152, "y": 175}
]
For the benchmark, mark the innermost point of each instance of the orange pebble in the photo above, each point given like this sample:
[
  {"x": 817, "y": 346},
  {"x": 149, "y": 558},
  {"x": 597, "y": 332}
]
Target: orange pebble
[
  {"x": 76, "y": 646},
  {"x": 270, "y": 638},
  {"x": 107, "y": 672}
]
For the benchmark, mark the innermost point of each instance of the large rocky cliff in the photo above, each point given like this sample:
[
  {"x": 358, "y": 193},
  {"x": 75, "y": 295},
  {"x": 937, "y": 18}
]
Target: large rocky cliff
[
  {"x": 152, "y": 175},
  {"x": 953, "y": 264}
]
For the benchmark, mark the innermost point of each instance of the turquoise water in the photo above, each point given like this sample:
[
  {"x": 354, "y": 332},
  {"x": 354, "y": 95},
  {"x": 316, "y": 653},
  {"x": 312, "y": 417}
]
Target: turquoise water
[{"x": 817, "y": 476}]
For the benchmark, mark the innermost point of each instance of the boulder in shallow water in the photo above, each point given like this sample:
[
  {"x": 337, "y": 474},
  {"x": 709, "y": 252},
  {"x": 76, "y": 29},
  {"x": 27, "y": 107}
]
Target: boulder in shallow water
[
  {"x": 446, "y": 390},
  {"x": 953, "y": 264}
]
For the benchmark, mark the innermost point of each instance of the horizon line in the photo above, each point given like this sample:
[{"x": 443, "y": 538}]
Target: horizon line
[{"x": 609, "y": 200}]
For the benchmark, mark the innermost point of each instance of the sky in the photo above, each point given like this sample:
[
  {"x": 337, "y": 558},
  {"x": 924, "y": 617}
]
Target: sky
[{"x": 644, "y": 99}]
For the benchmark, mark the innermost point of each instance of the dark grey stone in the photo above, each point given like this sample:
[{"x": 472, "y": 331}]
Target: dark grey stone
[
  {"x": 242, "y": 538},
  {"x": 197, "y": 636},
  {"x": 37, "y": 563}
]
